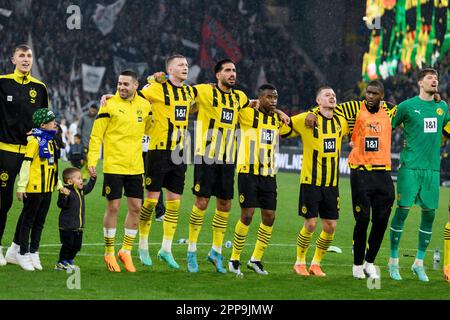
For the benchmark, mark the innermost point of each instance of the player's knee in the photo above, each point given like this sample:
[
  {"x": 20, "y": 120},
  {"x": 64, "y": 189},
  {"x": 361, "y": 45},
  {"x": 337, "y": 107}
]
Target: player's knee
[
  {"x": 201, "y": 203},
  {"x": 246, "y": 219},
  {"x": 223, "y": 205},
  {"x": 311, "y": 225},
  {"x": 268, "y": 218},
  {"x": 329, "y": 226}
]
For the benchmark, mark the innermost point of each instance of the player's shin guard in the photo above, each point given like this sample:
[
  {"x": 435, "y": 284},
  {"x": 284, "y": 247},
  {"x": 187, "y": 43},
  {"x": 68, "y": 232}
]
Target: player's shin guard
[
  {"x": 322, "y": 245},
  {"x": 170, "y": 220},
  {"x": 303, "y": 241},
  {"x": 145, "y": 221},
  {"x": 240, "y": 233},
  {"x": 262, "y": 242},
  {"x": 447, "y": 245},
  {"x": 109, "y": 236},
  {"x": 396, "y": 230},
  {"x": 425, "y": 230},
  {"x": 195, "y": 225},
  {"x": 219, "y": 226},
  {"x": 128, "y": 239}
]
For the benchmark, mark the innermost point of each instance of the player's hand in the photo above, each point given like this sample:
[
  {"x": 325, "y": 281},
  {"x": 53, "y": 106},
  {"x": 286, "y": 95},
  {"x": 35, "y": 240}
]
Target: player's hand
[
  {"x": 92, "y": 171},
  {"x": 311, "y": 121},
  {"x": 283, "y": 116},
  {"x": 64, "y": 191},
  {"x": 437, "y": 97},
  {"x": 351, "y": 144},
  {"x": 21, "y": 195},
  {"x": 93, "y": 174},
  {"x": 160, "y": 77},
  {"x": 104, "y": 98},
  {"x": 254, "y": 104}
]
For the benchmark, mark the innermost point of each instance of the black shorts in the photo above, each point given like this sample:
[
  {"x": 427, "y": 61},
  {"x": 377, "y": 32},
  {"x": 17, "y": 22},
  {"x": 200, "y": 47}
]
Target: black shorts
[
  {"x": 114, "y": 183},
  {"x": 161, "y": 172},
  {"x": 214, "y": 180},
  {"x": 317, "y": 201},
  {"x": 257, "y": 191}
]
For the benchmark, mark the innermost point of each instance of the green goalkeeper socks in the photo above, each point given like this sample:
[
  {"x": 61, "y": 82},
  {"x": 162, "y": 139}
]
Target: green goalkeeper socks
[
  {"x": 396, "y": 229},
  {"x": 425, "y": 229}
]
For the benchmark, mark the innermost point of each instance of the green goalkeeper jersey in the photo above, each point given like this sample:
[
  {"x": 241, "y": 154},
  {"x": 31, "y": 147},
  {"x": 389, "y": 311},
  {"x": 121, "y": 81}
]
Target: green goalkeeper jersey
[{"x": 422, "y": 126}]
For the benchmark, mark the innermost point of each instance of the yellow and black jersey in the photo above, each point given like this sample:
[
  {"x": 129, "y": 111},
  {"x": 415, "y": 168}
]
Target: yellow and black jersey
[
  {"x": 170, "y": 113},
  {"x": 216, "y": 121},
  {"x": 120, "y": 126},
  {"x": 321, "y": 148},
  {"x": 38, "y": 175},
  {"x": 20, "y": 96},
  {"x": 350, "y": 110},
  {"x": 446, "y": 130},
  {"x": 258, "y": 140}
]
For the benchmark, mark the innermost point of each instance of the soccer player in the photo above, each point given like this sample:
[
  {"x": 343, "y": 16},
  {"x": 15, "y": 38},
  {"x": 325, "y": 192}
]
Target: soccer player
[
  {"x": 166, "y": 167},
  {"x": 20, "y": 95},
  {"x": 319, "y": 193},
  {"x": 120, "y": 126},
  {"x": 370, "y": 180},
  {"x": 418, "y": 178},
  {"x": 215, "y": 152},
  {"x": 256, "y": 180}
]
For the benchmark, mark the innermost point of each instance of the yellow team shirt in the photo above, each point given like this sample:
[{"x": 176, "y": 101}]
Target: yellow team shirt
[
  {"x": 42, "y": 175},
  {"x": 321, "y": 148},
  {"x": 120, "y": 126},
  {"x": 216, "y": 121},
  {"x": 258, "y": 142},
  {"x": 170, "y": 113}
]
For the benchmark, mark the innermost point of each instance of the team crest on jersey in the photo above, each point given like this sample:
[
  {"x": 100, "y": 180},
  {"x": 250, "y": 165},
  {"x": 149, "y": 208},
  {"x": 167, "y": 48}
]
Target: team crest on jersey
[
  {"x": 304, "y": 209},
  {"x": 358, "y": 209},
  {"x": 4, "y": 176},
  {"x": 338, "y": 128},
  {"x": 241, "y": 198},
  {"x": 107, "y": 190},
  {"x": 374, "y": 127},
  {"x": 148, "y": 181},
  {"x": 33, "y": 93},
  {"x": 439, "y": 111},
  {"x": 197, "y": 187}
]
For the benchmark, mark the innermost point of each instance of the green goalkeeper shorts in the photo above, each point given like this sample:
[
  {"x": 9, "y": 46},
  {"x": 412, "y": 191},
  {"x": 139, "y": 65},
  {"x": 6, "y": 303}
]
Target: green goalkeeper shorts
[{"x": 417, "y": 186}]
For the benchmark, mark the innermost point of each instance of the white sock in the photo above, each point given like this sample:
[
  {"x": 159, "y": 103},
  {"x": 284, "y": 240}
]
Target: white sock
[
  {"x": 192, "y": 247},
  {"x": 131, "y": 232},
  {"x": 418, "y": 262},
  {"x": 218, "y": 249},
  {"x": 143, "y": 244},
  {"x": 368, "y": 264},
  {"x": 15, "y": 246},
  {"x": 167, "y": 245},
  {"x": 393, "y": 260},
  {"x": 254, "y": 259},
  {"x": 108, "y": 232}
]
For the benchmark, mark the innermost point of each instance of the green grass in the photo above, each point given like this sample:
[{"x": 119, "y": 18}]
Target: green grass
[{"x": 158, "y": 282}]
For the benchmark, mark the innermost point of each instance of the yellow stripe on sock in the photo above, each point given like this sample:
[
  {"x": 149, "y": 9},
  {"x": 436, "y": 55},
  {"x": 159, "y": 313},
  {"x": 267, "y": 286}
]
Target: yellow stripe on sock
[
  {"x": 145, "y": 217},
  {"x": 171, "y": 219},
  {"x": 195, "y": 223},
  {"x": 219, "y": 226},
  {"x": 128, "y": 242},
  {"x": 322, "y": 245},
  {"x": 262, "y": 242},
  {"x": 240, "y": 233},
  {"x": 109, "y": 244},
  {"x": 303, "y": 242},
  {"x": 447, "y": 244}
]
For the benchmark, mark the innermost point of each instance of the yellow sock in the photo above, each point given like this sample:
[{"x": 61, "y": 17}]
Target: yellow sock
[
  {"x": 240, "y": 233},
  {"x": 145, "y": 220},
  {"x": 262, "y": 242},
  {"x": 447, "y": 245},
  {"x": 219, "y": 227},
  {"x": 171, "y": 219},
  {"x": 303, "y": 241},
  {"x": 195, "y": 225},
  {"x": 322, "y": 245},
  {"x": 128, "y": 239},
  {"x": 109, "y": 236}
]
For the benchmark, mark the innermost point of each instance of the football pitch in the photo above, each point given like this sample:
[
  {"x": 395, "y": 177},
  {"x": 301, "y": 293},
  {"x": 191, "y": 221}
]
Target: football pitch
[{"x": 160, "y": 283}]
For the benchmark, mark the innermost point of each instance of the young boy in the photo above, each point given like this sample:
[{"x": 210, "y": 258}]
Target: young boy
[
  {"x": 77, "y": 152},
  {"x": 37, "y": 179},
  {"x": 72, "y": 216}
]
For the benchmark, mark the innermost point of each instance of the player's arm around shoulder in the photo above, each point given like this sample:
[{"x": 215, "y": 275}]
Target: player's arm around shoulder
[{"x": 296, "y": 126}]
